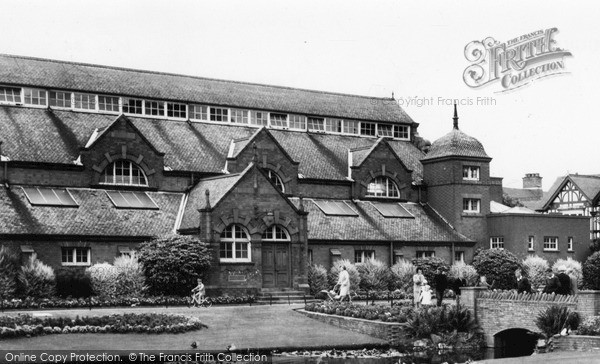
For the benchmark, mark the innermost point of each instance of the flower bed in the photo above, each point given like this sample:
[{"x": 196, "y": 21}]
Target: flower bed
[
  {"x": 590, "y": 326},
  {"x": 27, "y": 325},
  {"x": 114, "y": 302},
  {"x": 397, "y": 313}
]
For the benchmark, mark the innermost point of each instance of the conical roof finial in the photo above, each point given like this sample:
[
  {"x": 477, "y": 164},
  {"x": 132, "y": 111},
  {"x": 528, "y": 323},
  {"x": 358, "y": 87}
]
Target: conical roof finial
[{"x": 455, "y": 118}]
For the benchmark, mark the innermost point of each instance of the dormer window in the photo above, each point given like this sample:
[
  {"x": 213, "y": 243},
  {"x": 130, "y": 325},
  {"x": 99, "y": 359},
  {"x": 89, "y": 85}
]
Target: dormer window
[
  {"x": 60, "y": 99},
  {"x": 383, "y": 187},
  {"x": 316, "y": 124},
  {"x": 274, "y": 177},
  {"x": 123, "y": 172},
  {"x": 471, "y": 173}
]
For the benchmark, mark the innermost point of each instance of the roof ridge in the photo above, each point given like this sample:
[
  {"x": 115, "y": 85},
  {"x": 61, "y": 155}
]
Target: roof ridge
[{"x": 190, "y": 76}]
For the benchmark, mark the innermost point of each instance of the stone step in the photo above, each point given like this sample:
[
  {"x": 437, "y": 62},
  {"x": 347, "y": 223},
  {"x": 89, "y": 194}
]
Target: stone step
[
  {"x": 282, "y": 302},
  {"x": 283, "y": 294}
]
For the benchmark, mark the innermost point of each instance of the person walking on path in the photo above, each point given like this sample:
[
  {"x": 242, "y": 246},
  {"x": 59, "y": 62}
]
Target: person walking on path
[
  {"x": 418, "y": 282},
  {"x": 552, "y": 283},
  {"x": 523, "y": 285},
  {"x": 565, "y": 281},
  {"x": 441, "y": 283},
  {"x": 344, "y": 282},
  {"x": 574, "y": 283}
]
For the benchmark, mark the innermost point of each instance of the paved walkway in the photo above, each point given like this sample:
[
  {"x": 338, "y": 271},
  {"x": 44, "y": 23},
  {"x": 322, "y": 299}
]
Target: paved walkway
[
  {"x": 560, "y": 357},
  {"x": 246, "y": 327}
]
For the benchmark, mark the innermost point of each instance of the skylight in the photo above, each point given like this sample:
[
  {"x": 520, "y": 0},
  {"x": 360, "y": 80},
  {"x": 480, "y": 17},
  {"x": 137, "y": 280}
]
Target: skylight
[
  {"x": 335, "y": 208},
  {"x": 392, "y": 210},
  {"x": 131, "y": 200},
  {"x": 49, "y": 197}
]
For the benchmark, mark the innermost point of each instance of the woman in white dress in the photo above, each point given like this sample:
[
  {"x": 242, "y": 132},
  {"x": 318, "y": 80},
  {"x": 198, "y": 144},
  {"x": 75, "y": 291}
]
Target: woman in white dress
[
  {"x": 344, "y": 283},
  {"x": 418, "y": 280}
]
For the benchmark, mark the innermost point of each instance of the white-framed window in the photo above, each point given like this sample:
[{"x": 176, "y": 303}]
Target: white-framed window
[
  {"x": 316, "y": 124},
  {"x": 570, "y": 243},
  {"x": 278, "y": 120},
  {"x": 333, "y": 125},
  {"x": 471, "y": 173},
  {"x": 10, "y": 95},
  {"x": 239, "y": 116},
  {"x": 402, "y": 132},
  {"x": 385, "y": 130},
  {"x": 424, "y": 254},
  {"x": 383, "y": 187},
  {"x": 361, "y": 256},
  {"x": 60, "y": 99},
  {"x": 35, "y": 97},
  {"x": 260, "y": 118},
  {"x": 530, "y": 241},
  {"x": 108, "y": 103},
  {"x": 133, "y": 106},
  {"x": 471, "y": 205},
  {"x": 199, "y": 112},
  {"x": 219, "y": 114},
  {"x": 297, "y": 122},
  {"x": 369, "y": 129},
  {"x": 276, "y": 233},
  {"x": 497, "y": 242},
  {"x": 550, "y": 242},
  {"x": 176, "y": 110},
  {"x": 76, "y": 256},
  {"x": 351, "y": 127},
  {"x": 274, "y": 177},
  {"x": 235, "y": 244},
  {"x": 459, "y": 256},
  {"x": 123, "y": 172},
  {"x": 155, "y": 108},
  {"x": 84, "y": 101}
]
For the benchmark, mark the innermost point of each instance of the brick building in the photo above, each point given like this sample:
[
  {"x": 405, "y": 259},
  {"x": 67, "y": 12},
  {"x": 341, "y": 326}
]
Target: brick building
[{"x": 95, "y": 160}]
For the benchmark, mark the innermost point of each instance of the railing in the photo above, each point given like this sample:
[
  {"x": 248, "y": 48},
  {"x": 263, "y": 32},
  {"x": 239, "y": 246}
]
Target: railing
[{"x": 509, "y": 295}]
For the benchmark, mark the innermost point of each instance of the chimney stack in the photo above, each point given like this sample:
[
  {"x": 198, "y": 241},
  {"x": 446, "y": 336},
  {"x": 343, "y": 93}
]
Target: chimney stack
[{"x": 532, "y": 181}]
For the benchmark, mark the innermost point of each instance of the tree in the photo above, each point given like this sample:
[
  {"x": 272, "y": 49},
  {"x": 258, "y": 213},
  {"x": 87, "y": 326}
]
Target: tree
[
  {"x": 498, "y": 266},
  {"x": 173, "y": 263},
  {"x": 9, "y": 272},
  {"x": 317, "y": 278},
  {"x": 591, "y": 272},
  {"x": 534, "y": 268}
]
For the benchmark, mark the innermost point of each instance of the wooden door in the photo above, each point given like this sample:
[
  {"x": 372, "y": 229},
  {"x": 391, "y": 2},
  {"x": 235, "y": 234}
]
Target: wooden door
[{"x": 275, "y": 265}]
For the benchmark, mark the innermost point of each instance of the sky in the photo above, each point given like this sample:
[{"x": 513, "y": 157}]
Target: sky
[{"x": 415, "y": 50}]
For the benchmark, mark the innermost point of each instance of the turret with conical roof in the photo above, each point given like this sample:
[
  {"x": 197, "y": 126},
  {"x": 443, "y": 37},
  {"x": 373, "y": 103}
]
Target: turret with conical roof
[{"x": 456, "y": 172}]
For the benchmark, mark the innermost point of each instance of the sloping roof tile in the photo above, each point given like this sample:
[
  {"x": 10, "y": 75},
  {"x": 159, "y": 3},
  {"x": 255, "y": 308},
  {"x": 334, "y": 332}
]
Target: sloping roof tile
[
  {"x": 95, "y": 216},
  {"x": 39, "y": 135},
  {"x": 370, "y": 225},
  {"x": 456, "y": 144},
  {"x": 111, "y": 80}
]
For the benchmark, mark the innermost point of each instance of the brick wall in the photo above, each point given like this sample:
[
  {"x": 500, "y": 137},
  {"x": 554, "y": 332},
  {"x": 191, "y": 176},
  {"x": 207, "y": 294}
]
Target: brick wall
[{"x": 577, "y": 343}]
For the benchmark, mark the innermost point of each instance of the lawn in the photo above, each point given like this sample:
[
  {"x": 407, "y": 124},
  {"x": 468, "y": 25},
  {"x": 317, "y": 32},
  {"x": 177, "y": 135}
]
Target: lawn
[{"x": 246, "y": 327}]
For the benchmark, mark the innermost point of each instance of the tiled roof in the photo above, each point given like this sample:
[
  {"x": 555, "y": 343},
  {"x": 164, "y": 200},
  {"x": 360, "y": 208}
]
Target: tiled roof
[
  {"x": 588, "y": 184},
  {"x": 456, "y": 144},
  {"x": 522, "y": 193},
  {"x": 217, "y": 187},
  {"x": 370, "y": 225},
  {"x": 110, "y": 80},
  {"x": 95, "y": 216},
  {"x": 39, "y": 135}
]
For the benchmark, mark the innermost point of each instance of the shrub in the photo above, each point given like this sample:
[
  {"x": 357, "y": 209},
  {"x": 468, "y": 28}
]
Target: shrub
[
  {"x": 9, "y": 263},
  {"x": 572, "y": 264},
  {"x": 429, "y": 266},
  {"x": 498, "y": 265},
  {"x": 73, "y": 282},
  {"x": 334, "y": 273},
  {"x": 468, "y": 271},
  {"x": 591, "y": 271},
  {"x": 595, "y": 245},
  {"x": 553, "y": 319},
  {"x": 374, "y": 275},
  {"x": 402, "y": 275},
  {"x": 461, "y": 319},
  {"x": 590, "y": 326},
  {"x": 130, "y": 276},
  {"x": 317, "y": 279},
  {"x": 426, "y": 321},
  {"x": 173, "y": 263},
  {"x": 38, "y": 279},
  {"x": 103, "y": 278},
  {"x": 534, "y": 268}
]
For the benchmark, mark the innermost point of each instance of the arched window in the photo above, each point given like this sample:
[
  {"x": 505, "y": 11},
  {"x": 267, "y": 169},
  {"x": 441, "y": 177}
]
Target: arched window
[
  {"x": 235, "y": 244},
  {"x": 274, "y": 177},
  {"x": 383, "y": 187},
  {"x": 275, "y": 233},
  {"x": 123, "y": 172}
]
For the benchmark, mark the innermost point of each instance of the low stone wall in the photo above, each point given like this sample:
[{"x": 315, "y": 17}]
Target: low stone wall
[
  {"x": 577, "y": 343},
  {"x": 392, "y": 332}
]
